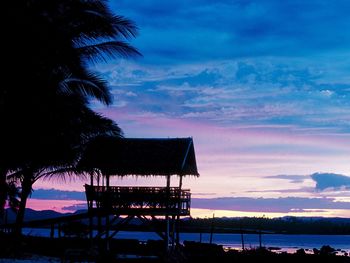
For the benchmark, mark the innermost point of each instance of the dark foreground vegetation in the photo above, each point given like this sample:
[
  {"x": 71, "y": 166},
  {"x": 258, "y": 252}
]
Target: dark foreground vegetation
[{"x": 126, "y": 250}]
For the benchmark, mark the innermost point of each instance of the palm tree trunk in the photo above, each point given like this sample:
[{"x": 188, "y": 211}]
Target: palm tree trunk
[
  {"x": 3, "y": 191},
  {"x": 26, "y": 189}
]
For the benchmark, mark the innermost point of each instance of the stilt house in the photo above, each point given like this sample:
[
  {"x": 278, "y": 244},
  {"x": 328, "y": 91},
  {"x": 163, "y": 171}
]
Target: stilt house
[{"x": 107, "y": 157}]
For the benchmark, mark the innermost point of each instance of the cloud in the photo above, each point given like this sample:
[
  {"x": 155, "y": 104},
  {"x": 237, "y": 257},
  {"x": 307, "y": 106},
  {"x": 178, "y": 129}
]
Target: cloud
[
  {"x": 255, "y": 64},
  {"x": 243, "y": 92},
  {"x": 287, "y": 191},
  {"x": 75, "y": 207},
  {"x": 202, "y": 194},
  {"x": 324, "y": 181},
  {"x": 291, "y": 178},
  {"x": 281, "y": 205},
  {"x": 331, "y": 181},
  {"x": 54, "y": 194}
]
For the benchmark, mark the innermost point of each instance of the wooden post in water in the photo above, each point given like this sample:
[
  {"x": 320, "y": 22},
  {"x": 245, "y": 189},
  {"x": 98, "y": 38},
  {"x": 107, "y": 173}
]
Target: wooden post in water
[
  {"x": 260, "y": 243},
  {"x": 212, "y": 230},
  {"x": 59, "y": 230},
  {"x": 260, "y": 226},
  {"x": 52, "y": 231},
  {"x": 242, "y": 239}
]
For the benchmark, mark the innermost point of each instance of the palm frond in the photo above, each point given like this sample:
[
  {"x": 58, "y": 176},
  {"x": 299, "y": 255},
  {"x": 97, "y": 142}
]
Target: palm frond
[
  {"x": 102, "y": 51},
  {"x": 105, "y": 126},
  {"x": 98, "y": 26},
  {"x": 15, "y": 176},
  {"x": 124, "y": 26},
  {"x": 92, "y": 86},
  {"x": 118, "y": 25},
  {"x": 61, "y": 174},
  {"x": 92, "y": 20}
]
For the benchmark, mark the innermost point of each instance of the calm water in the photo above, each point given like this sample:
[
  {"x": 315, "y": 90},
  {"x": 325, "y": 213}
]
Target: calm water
[{"x": 285, "y": 242}]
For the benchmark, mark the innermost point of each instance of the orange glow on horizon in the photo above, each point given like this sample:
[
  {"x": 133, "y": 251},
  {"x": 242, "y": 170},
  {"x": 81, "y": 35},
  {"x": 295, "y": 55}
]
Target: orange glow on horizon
[{"x": 208, "y": 213}]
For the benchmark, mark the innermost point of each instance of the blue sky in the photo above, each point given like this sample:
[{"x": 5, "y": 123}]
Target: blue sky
[
  {"x": 263, "y": 87},
  {"x": 262, "y": 63}
]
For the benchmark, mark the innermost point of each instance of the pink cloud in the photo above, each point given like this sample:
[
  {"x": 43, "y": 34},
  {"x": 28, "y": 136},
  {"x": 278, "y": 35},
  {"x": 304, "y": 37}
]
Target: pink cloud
[{"x": 233, "y": 159}]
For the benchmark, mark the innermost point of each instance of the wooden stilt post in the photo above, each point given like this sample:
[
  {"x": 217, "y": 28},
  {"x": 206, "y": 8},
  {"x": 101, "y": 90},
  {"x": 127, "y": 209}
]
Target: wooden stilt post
[
  {"x": 173, "y": 231},
  {"x": 99, "y": 222},
  {"x": 178, "y": 215},
  {"x": 167, "y": 236},
  {"x": 99, "y": 215},
  {"x": 90, "y": 209},
  {"x": 180, "y": 185},
  {"x": 108, "y": 212}
]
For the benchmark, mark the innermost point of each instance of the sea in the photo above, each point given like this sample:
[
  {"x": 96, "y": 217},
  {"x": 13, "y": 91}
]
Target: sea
[{"x": 277, "y": 242}]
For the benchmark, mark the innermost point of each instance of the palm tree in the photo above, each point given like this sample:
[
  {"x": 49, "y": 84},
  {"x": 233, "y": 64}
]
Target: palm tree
[
  {"x": 9, "y": 193},
  {"x": 68, "y": 143},
  {"x": 3, "y": 191},
  {"x": 44, "y": 108}
]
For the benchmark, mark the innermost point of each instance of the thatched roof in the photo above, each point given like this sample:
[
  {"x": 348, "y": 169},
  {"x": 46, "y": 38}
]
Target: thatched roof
[{"x": 126, "y": 156}]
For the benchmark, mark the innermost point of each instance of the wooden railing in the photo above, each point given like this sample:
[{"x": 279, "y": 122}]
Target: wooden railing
[{"x": 152, "y": 200}]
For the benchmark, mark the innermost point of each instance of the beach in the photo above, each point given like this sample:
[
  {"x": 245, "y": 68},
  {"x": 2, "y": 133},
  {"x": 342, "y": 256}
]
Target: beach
[{"x": 67, "y": 249}]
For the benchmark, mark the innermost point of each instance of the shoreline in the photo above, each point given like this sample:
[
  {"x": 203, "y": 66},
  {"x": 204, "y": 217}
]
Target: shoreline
[
  {"x": 208, "y": 255},
  {"x": 42, "y": 249},
  {"x": 287, "y": 242}
]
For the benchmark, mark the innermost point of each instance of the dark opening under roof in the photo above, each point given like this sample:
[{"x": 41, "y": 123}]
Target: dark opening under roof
[{"x": 134, "y": 156}]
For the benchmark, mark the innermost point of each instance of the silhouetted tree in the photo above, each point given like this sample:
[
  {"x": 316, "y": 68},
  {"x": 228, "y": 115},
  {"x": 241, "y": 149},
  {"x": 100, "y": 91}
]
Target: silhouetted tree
[
  {"x": 9, "y": 193},
  {"x": 44, "y": 105}
]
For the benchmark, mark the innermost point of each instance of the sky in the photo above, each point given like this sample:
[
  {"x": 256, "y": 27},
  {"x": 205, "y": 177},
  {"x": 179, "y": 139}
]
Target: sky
[{"x": 262, "y": 87}]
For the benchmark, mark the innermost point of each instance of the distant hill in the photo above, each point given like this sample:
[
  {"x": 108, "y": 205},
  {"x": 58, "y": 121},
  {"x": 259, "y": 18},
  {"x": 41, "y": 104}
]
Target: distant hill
[
  {"x": 318, "y": 218},
  {"x": 31, "y": 214}
]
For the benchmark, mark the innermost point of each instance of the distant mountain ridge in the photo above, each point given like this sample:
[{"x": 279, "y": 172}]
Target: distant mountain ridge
[
  {"x": 31, "y": 214},
  {"x": 318, "y": 218}
]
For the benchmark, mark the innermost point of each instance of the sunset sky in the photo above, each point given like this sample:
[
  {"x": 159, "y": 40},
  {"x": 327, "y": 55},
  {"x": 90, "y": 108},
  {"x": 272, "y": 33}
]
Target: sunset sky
[{"x": 262, "y": 86}]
